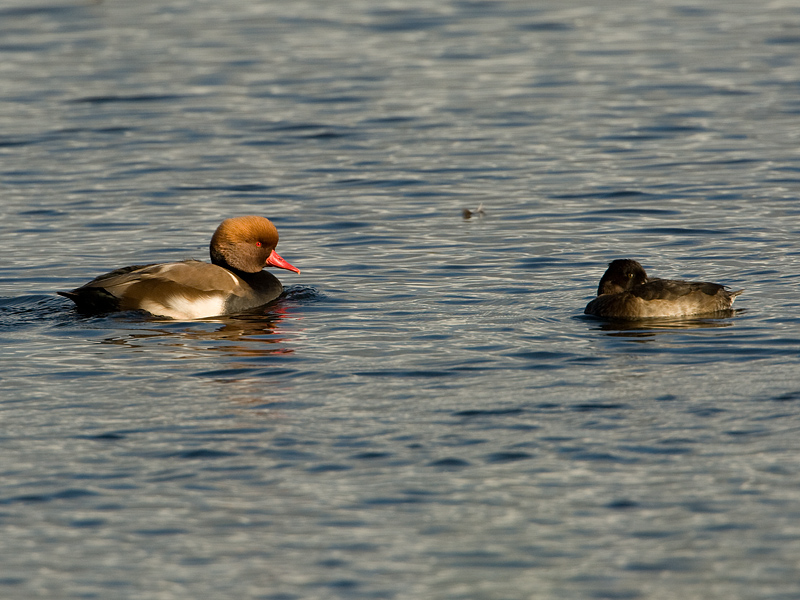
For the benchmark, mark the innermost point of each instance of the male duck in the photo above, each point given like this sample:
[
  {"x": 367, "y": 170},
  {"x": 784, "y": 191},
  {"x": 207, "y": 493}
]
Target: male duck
[
  {"x": 626, "y": 292},
  {"x": 192, "y": 289}
]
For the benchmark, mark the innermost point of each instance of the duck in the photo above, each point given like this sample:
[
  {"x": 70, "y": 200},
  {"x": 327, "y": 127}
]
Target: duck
[
  {"x": 626, "y": 292},
  {"x": 231, "y": 283}
]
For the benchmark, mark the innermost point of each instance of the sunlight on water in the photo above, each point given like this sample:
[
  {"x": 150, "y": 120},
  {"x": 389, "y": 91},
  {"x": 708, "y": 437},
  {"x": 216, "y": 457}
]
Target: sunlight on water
[{"x": 426, "y": 413}]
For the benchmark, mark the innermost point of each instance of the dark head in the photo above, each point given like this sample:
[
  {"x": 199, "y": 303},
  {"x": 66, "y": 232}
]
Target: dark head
[
  {"x": 247, "y": 244},
  {"x": 622, "y": 275}
]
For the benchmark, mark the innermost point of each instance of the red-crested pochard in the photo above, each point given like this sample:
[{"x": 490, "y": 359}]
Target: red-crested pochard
[
  {"x": 240, "y": 248},
  {"x": 626, "y": 292}
]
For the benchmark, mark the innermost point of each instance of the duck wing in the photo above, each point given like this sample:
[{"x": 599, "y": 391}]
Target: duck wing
[
  {"x": 674, "y": 289},
  {"x": 155, "y": 286}
]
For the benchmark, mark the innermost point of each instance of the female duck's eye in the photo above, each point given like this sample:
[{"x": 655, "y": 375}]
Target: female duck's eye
[{"x": 258, "y": 244}]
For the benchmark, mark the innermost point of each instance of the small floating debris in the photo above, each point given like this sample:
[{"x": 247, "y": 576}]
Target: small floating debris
[{"x": 478, "y": 212}]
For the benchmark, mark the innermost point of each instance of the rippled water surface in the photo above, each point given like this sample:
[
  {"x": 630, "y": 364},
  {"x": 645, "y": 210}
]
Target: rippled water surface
[{"x": 426, "y": 413}]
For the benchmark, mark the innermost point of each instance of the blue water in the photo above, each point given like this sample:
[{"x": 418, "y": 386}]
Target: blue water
[{"x": 426, "y": 413}]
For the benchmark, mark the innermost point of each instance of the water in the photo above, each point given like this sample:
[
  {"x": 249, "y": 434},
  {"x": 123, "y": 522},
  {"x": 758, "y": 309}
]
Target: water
[{"x": 426, "y": 413}]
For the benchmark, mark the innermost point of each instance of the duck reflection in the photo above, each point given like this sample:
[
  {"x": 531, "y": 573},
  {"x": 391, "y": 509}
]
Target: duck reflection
[
  {"x": 244, "y": 335},
  {"x": 651, "y": 327}
]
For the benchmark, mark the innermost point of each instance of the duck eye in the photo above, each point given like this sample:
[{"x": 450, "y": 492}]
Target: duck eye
[{"x": 258, "y": 244}]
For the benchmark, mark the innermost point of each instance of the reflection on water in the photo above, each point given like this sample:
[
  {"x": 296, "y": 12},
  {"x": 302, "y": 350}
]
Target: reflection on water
[
  {"x": 244, "y": 335},
  {"x": 653, "y": 326}
]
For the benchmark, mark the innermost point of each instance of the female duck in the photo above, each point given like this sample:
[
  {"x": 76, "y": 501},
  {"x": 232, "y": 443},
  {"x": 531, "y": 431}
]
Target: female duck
[
  {"x": 234, "y": 281},
  {"x": 626, "y": 292}
]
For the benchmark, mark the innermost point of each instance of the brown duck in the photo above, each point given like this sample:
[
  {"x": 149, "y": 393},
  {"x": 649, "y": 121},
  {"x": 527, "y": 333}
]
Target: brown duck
[
  {"x": 233, "y": 282},
  {"x": 626, "y": 292}
]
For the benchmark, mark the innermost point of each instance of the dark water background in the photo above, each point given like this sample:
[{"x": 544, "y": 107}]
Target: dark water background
[{"x": 426, "y": 414}]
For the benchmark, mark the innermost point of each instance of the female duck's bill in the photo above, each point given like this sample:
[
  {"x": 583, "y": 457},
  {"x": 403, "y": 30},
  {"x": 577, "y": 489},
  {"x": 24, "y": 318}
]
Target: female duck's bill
[
  {"x": 234, "y": 281},
  {"x": 626, "y": 292}
]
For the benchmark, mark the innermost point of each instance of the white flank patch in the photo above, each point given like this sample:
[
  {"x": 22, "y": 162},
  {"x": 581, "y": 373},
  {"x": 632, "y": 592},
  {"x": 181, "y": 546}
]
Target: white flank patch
[{"x": 181, "y": 308}]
